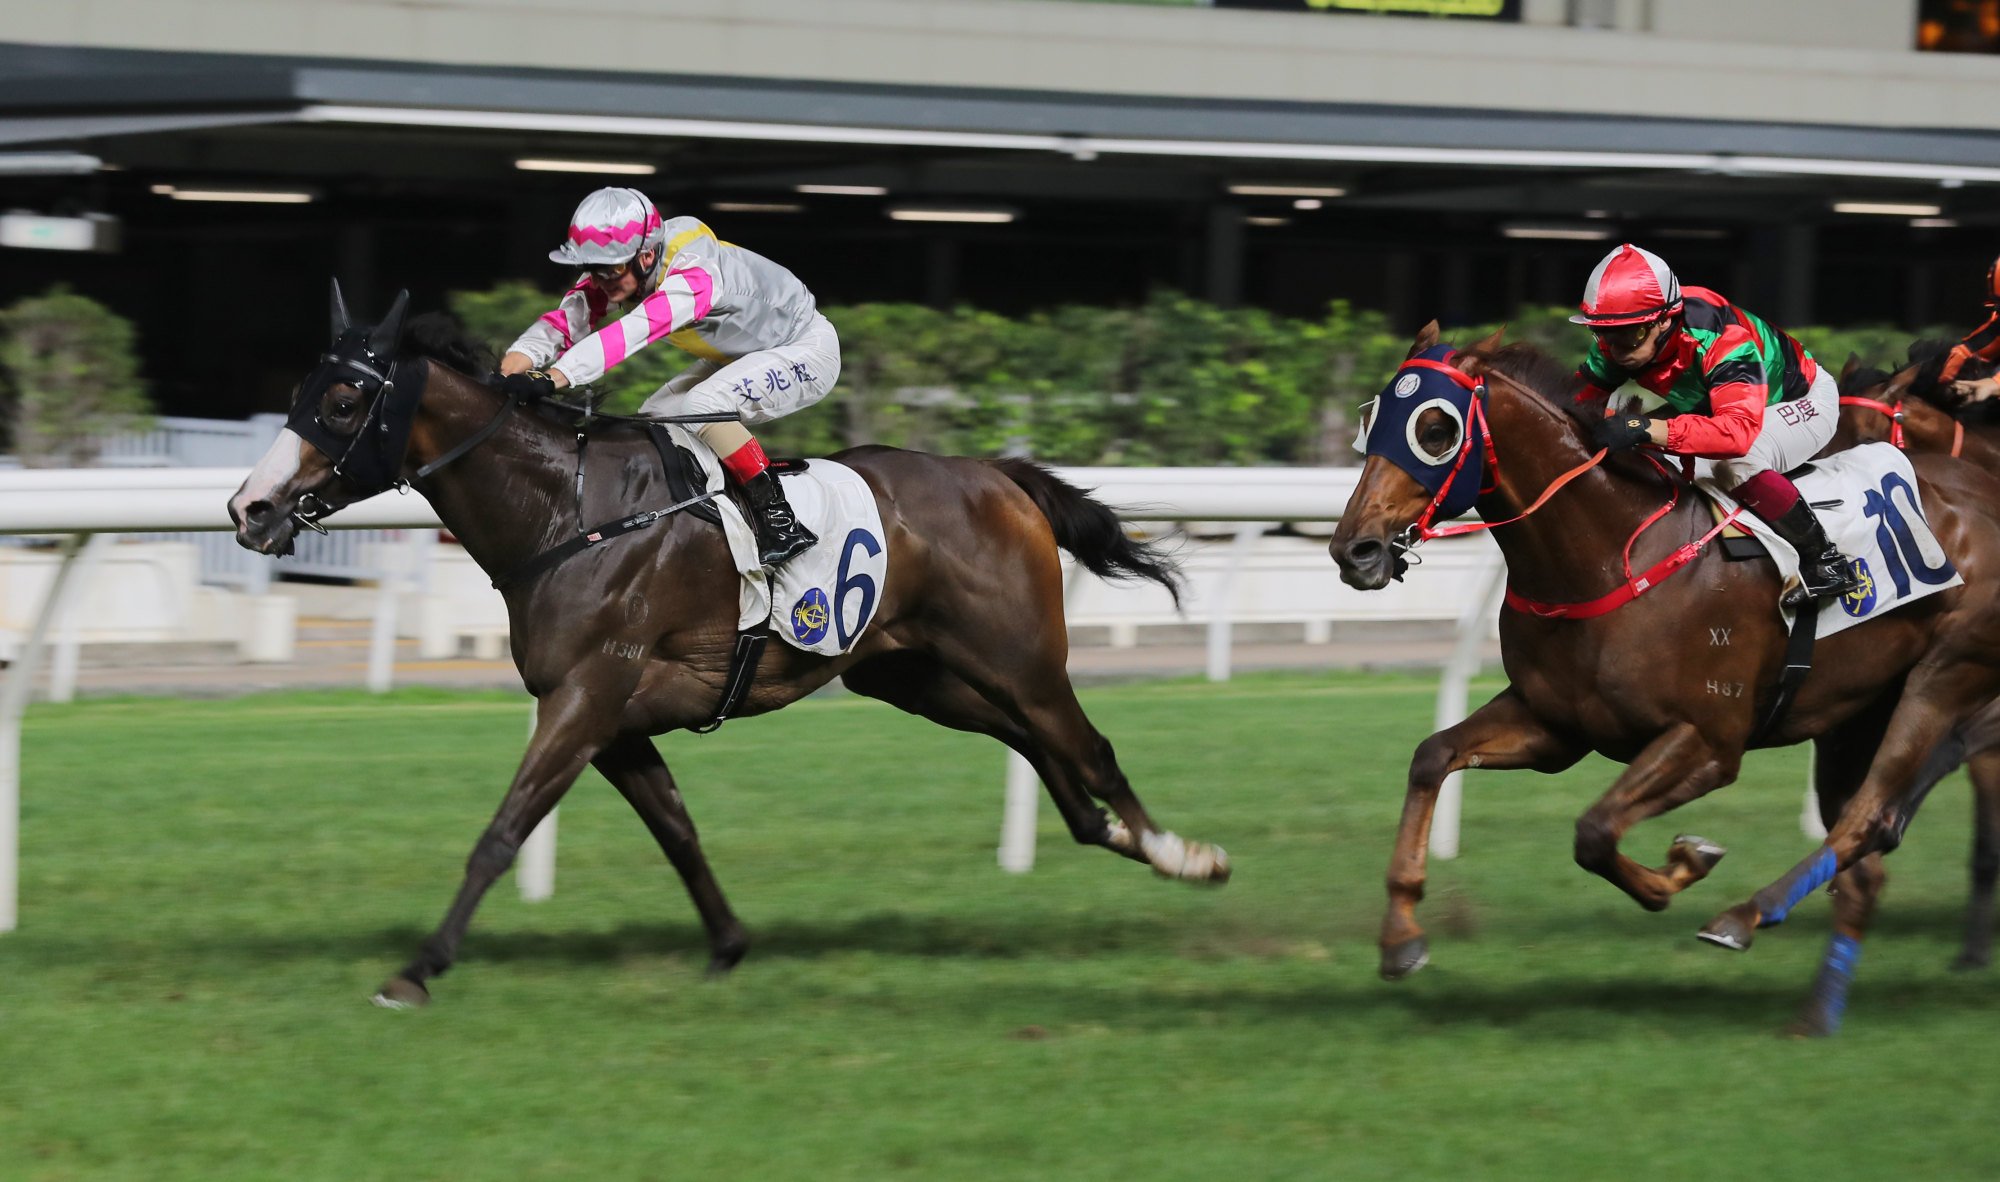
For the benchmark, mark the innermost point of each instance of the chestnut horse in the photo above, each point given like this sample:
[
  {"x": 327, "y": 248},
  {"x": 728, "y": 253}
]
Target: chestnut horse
[
  {"x": 1678, "y": 681},
  {"x": 1879, "y": 406},
  {"x": 633, "y": 637}
]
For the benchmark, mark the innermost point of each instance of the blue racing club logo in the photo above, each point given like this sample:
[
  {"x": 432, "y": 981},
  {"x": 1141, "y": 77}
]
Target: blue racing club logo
[
  {"x": 811, "y": 616},
  {"x": 1861, "y": 600}
]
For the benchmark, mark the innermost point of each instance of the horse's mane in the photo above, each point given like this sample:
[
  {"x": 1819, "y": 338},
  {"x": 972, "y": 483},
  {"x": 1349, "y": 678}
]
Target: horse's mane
[
  {"x": 1539, "y": 374},
  {"x": 1863, "y": 378},
  {"x": 442, "y": 337}
]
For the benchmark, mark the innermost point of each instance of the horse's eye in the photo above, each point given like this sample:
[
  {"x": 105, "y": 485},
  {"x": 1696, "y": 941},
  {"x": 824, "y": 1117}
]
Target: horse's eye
[{"x": 1438, "y": 437}]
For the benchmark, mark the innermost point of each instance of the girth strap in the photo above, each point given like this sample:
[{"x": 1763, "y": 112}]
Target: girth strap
[
  {"x": 1798, "y": 665},
  {"x": 742, "y": 674}
]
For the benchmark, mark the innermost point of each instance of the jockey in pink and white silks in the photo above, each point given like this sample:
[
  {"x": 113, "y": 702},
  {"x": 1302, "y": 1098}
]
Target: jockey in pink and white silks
[{"x": 762, "y": 347}]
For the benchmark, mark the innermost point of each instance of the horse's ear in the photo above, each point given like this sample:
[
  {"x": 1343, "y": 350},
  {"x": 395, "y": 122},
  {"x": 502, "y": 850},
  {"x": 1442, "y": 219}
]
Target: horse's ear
[
  {"x": 1853, "y": 363},
  {"x": 383, "y": 339},
  {"x": 1427, "y": 336},
  {"x": 1492, "y": 342},
  {"x": 340, "y": 321}
]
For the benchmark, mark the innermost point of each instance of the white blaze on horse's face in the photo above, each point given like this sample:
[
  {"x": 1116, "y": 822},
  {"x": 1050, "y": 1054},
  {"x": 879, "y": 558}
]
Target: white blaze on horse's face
[{"x": 271, "y": 474}]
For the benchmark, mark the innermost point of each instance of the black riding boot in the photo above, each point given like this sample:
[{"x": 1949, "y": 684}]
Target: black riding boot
[
  {"x": 1822, "y": 567},
  {"x": 780, "y": 537}
]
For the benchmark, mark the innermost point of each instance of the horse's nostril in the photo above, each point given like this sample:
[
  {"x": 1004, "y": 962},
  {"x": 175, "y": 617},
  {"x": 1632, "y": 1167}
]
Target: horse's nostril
[
  {"x": 257, "y": 512},
  {"x": 1364, "y": 551}
]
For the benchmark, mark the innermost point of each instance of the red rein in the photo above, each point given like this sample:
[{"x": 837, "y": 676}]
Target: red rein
[
  {"x": 1894, "y": 412},
  {"x": 1634, "y": 587}
]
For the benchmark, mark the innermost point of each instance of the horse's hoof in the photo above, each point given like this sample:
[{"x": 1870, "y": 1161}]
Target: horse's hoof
[
  {"x": 1971, "y": 962},
  {"x": 725, "y": 958},
  {"x": 401, "y": 993},
  {"x": 1187, "y": 861},
  {"x": 1728, "y": 930},
  {"x": 1698, "y": 854},
  {"x": 1811, "y": 1026},
  {"x": 1405, "y": 958}
]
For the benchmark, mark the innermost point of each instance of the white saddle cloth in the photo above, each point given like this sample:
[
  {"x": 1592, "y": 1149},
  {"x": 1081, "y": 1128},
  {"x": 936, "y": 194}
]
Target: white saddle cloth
[
  {"x": 824, "y": 599},
  {"x": 1867, "y": 498}
]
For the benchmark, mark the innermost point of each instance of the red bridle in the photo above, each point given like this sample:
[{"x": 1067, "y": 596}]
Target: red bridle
[
  {"x": 1634, "y": 587},
  {"x": 1895, "y": 415}
]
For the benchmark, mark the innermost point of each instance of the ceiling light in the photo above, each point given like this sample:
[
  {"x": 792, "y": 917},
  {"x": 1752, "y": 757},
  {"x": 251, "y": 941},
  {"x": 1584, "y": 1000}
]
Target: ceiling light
[
  {"x": 916, "y": 213},
  {"x": 756, "y": 207},
  {"x": 1902, "y": 209},
  {"x": 31, "y": 231},
  {"x": 1265, "y": 221},
  {"x": 1933, "y": 223},
  {"x": 1566, "y": 233},
  {"x": 1308, "y": 203},
  {"x": 246, "y": 196},
  {"x": 47, "y": 163},
  {"x": 603, "y": 167},
  {"x": 843, "y": 190},
  {"x": 1288, "y": 190}
]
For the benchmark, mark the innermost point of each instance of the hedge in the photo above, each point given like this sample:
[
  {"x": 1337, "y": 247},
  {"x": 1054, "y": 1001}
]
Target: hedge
[{"x": 1172, "y": 381}]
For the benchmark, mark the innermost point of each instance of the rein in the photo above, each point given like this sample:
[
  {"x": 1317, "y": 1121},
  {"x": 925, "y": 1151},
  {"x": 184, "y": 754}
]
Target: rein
[
  {"x": 585, "y": 538},
  {"x": 1635, "y": 585},
  {"x": 1894, "y": 413}
]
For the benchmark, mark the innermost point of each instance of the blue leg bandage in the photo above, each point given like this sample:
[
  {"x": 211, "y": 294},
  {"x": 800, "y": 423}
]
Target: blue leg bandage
[{"x": 1818, "y": 872}]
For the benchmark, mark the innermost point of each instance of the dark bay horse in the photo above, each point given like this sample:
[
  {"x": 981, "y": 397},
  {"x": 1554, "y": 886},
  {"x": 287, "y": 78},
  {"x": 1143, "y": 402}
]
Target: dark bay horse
[
  {"x": 1677, "y": 682},
  {"x": 1876, "y": 405},
  {"x": 633, "y": 638}
]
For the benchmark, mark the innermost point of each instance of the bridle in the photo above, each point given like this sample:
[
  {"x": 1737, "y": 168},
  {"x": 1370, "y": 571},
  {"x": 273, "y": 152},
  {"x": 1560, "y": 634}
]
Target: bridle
[
  {"x": 1894, "y": 412},
  {"x": 1635, "y": 584}
]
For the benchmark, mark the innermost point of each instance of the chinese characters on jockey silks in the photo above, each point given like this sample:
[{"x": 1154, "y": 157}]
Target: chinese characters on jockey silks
[{"x": 762, "y": 348}]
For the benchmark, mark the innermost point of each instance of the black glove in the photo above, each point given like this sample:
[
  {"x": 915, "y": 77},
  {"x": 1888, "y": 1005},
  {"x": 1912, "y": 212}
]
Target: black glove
[
  {"x": 1622, "y": 431},
  {"x": 529, "y": 386}
]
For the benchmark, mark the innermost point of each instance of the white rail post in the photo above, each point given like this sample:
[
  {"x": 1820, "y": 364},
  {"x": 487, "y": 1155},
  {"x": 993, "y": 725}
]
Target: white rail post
[
  {"x": 14, "y": 695},
  {"x": 1454, "y": 691},
  {"x": 535, "y": 868},
  {"x": 1809, "y": 822},
  {"x": 1023, "y": 796},
  {"x": 68, "y": 627},
  {"x": 1222, "y": 612}
]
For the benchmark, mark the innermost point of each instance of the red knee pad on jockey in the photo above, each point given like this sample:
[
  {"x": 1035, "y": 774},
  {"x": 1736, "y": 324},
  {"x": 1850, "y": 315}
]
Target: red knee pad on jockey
[
  {"x": 1767, "y": 494},
  {"x": 746, "y": 462}
]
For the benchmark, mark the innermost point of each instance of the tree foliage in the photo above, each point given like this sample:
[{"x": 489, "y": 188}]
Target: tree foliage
[{"x": 72, "y": 375}]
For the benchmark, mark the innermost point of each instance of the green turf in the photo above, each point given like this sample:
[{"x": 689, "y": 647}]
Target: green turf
[{"x": 212, "y": 889}]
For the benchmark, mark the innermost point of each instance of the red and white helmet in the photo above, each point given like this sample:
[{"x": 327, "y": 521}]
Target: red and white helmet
[
  {"x": 1631, "y": 286},
  {"x": 610, "y": 226}
]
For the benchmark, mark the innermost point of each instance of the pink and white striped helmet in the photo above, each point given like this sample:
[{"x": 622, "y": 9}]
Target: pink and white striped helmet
[{"x": 610, "y": 226}]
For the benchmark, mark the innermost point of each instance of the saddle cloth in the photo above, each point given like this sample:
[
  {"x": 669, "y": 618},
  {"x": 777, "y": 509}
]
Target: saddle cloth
[
  {"x": 1867, "y": 498},
  {"x": 824, "y": 599}
]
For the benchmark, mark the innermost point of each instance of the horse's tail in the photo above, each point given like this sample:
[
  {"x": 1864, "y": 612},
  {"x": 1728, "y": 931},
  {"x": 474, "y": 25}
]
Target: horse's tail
[{"x": 1089, "y": 530}]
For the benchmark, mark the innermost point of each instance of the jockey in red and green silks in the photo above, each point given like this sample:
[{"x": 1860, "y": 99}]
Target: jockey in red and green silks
[{"x": 1738, "y": 393}]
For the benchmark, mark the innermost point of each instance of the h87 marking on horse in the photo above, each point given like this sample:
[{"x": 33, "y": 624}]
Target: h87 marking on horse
[{"x": 633, "y": 639}]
